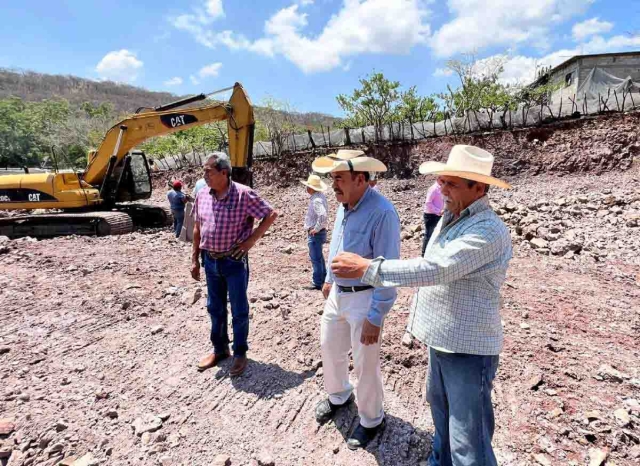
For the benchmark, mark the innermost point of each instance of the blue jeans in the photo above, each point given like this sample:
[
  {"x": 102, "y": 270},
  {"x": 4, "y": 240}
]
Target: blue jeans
[
  {"x": 230, "y": 277},
  {"x": 459, "y": 394},
  {"x": 430, "y": 224},
  {"x": 178, "y": 220},
  {"x": 315, "y": 243}
]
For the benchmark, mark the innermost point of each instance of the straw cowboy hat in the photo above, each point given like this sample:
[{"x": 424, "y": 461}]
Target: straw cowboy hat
[
  {"x": 314, "y": 182},
  {"x": 347, "y": 160},
  {"x": 468, "y": 162}
]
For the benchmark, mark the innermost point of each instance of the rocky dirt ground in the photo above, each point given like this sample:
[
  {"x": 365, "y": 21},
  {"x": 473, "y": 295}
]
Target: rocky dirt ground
[{"x": 99, "y": 338}]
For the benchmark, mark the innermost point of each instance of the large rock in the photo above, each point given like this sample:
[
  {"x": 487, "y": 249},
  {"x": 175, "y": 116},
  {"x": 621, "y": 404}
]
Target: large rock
[
  {"x": 7, "y": 426},
  {"x": 597, "y": 456},
  {"x": 539, "y": 243},
  {"x": 146, "y": 423}
]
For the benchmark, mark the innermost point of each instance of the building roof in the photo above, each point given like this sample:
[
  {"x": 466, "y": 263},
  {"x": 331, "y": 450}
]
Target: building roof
[
  {"x": 539, "y": 79},
  {"x": 595, "y": 55}
]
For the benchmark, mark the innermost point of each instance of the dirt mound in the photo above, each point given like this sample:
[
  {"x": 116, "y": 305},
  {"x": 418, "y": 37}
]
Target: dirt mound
[{"x": 596, "y": 145}]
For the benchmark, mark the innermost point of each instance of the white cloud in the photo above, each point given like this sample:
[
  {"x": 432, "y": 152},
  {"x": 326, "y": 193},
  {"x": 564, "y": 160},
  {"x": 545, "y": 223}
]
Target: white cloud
[
  {"x": 196, "y": 23},
  {"x": 522, "y": 69},
  {"x": 119, "y": 65},
  {"x": 484, "y": 23},
  {"x": 214, "y": 8},
  {"x": 361, "y": 26},
  {"x": 591, "y": 27},
  {"x": 176, "y": 81},
  {"x": 210, "y": 71},
  {"x": 442, "y": 72},
  {"x": 195, "y": 81}
]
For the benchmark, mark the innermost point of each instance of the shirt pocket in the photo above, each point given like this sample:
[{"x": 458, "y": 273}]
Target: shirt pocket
[{"x": 358, "y": 243}]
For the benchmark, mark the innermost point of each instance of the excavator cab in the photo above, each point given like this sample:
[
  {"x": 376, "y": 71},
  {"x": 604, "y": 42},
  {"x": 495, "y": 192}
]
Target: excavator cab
[{"x": 128, "y": 181}]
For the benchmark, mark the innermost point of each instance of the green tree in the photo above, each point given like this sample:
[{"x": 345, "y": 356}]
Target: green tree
[
  {"x": 276, "y": 124},
  {"x": 374, "y": 103}
]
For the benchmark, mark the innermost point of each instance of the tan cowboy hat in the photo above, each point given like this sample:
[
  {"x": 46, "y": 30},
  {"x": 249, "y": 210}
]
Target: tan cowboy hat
[
  {"x": 468, "y": 162},
  {"x": 314, "y": 182},
  {"x": 347, "y": 160}
]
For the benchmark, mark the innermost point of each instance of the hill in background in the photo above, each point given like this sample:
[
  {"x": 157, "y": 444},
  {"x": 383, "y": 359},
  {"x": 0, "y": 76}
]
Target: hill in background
[{"x": 34, "y": 87}]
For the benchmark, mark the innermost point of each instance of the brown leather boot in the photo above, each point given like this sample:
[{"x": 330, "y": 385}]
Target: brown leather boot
[
  {"x": 211, "y": 360},
  {"x": 238, "y": 366}
]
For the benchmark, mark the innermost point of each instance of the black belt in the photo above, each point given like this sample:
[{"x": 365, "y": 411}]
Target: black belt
[{"x": 353, "y": 289}]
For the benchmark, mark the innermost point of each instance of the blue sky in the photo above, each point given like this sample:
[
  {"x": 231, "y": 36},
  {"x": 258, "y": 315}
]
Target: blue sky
[{"x": 304, "y": 51}]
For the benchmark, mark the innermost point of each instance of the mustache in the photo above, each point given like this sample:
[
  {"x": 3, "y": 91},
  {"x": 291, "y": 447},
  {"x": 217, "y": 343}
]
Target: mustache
[{"x": 337, "y": 191}]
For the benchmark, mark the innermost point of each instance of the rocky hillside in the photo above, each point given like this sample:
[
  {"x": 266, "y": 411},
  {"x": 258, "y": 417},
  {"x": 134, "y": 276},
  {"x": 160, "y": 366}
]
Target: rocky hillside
[{"x": 597, "y": 145}]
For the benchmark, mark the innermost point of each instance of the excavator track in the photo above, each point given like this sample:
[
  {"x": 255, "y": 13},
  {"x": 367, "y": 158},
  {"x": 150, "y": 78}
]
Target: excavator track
[
  {"x": 147, "y": 216},
  {"x": 66, "y": 223}
]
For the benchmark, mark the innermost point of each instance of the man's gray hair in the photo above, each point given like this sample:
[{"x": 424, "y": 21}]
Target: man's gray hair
[{"x": 220, "y": 161}]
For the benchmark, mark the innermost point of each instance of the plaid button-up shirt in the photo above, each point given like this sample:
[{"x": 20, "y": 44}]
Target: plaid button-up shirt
[
  {"x": 457, "y": 307},
  {"x": 228, "y": 221}
]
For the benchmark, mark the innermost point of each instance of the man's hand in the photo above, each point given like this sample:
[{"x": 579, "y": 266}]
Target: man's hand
[
  {"x": 241, "y": 250},
  {"x": 349, "y": 265},
  {"x": 326, "y": 289},
  {"x": 370, "y": 333},
  {"x": 195, "y": 270},
  {"x": 312, "y": 232}
]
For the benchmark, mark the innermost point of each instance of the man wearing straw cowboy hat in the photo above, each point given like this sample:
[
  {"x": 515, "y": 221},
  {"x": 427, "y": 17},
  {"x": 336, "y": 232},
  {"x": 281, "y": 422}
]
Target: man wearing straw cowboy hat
[
  {"x": 366, "y": 224},
  {"x": 315, "y": 224},
  {"x": 456, "y": 311}
]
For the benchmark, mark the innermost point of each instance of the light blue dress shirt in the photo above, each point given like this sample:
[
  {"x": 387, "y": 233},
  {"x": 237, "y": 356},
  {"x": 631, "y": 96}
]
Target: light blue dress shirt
[{"x": 371, "y": 229}]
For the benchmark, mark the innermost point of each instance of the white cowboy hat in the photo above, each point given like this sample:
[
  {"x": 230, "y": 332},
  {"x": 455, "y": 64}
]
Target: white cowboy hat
[
  {"x": 314, "y": 182},
  {"x": 468, "y": 162},
  {"x": 347, "y": 160}
]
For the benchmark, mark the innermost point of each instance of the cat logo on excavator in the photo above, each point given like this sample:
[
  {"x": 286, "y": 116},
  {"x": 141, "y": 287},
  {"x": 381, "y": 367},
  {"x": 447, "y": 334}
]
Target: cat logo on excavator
[{"x": 174, "y": 120}]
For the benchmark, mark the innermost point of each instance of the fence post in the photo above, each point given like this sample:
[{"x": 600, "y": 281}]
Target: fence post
[
  {"x": 313, "y": 144},
  {"x": 362, "y": 131},
  {"x": 560, "y": 111},
  {"x": 347, "y": 138},
  {"x": 586, "y": 106},
  {"x": 329, "y": 134},
  {"x": 616, "y": 96}
]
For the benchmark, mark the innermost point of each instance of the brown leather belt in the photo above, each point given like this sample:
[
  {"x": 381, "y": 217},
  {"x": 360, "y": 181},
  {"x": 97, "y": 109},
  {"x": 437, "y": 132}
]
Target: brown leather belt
[{"x": 218, "y": 255}]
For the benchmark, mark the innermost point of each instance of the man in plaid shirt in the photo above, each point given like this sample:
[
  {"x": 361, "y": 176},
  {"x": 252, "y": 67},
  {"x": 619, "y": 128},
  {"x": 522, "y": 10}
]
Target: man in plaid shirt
[
  {"x": 223, "y": 233},
  {"x": 457, "y": 309}
]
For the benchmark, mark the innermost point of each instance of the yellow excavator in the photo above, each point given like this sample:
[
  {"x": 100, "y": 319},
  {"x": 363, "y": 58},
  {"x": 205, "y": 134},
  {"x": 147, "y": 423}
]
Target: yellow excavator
[{"x": 100, "y": 200}]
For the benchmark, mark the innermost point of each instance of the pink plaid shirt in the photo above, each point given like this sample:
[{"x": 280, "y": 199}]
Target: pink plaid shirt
[{"x": 228, "y": 221}]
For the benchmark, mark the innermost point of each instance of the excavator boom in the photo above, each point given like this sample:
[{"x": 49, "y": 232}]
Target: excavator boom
[{"x": 140, "y": 127}]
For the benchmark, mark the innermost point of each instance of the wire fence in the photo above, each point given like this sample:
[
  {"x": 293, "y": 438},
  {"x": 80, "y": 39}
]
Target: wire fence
[{"x": 601, "y": 93}]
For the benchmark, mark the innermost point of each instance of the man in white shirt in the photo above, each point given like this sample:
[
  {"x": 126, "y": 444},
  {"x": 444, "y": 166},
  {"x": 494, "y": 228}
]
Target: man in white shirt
[{"x": 315, "y": 224}]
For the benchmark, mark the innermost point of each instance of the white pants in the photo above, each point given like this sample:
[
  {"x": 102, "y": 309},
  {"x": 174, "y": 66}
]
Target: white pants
[{"x": 340, "y": 330}]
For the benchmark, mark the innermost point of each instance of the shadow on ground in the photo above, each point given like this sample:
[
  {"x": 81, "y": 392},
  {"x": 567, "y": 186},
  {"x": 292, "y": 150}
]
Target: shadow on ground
[
  {"x": 264, "y": 379},
  {"x": 399, "y": 443}
]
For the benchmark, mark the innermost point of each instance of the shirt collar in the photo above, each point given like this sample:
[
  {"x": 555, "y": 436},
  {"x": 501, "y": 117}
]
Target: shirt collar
[
  {"x": 362, "y": 199},
  {"x": 232, "y": 189},
  {"x": 478, "y": 206}
]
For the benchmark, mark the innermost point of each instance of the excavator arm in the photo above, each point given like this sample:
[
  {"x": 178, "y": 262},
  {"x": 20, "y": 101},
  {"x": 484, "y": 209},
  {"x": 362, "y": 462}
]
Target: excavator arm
[{"x": 136, "y": 129}]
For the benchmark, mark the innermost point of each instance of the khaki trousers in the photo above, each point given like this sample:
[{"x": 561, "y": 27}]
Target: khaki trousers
[{"x": 340, "y": 330}]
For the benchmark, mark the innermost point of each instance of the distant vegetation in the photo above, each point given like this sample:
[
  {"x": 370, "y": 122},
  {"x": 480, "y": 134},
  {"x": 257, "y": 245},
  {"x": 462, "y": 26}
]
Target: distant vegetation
[
  {"x": 379, "y": 102},
  {"x": 38, "y": 111}
]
